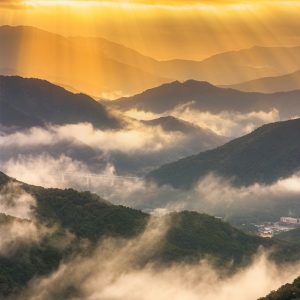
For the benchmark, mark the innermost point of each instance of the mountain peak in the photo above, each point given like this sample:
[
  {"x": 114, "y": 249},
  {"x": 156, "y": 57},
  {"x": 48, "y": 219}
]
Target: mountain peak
[{"x": 31, "y": 102}]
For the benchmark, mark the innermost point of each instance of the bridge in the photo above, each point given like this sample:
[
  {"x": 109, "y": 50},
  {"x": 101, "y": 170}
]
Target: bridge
[{"x": 88, "y": 177}]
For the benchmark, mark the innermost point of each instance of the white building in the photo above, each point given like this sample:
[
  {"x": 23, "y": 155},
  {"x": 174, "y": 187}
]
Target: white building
[{"x": 289, "y": 221}]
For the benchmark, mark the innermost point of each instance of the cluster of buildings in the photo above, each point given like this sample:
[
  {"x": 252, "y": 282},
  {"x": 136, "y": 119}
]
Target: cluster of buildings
[
  {"x": 288, "y": 221},
  {"x": 285, "y": 224}
]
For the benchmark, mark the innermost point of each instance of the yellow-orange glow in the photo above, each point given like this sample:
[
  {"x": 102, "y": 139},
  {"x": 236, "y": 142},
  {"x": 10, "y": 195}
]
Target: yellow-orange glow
[{"x": 160, "y": 29}]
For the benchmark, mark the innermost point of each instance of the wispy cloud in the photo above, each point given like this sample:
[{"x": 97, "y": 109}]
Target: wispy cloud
[
  {"x": 115, "y": 271},
  {"x": 134, "y": 149},
  {"x": 226, "y": 123}
]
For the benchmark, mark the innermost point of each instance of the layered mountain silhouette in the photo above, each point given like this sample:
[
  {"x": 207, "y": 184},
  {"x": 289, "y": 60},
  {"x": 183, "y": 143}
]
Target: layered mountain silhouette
[
  {"x": 231, "y": 66},
  {"x": 263, "y": 156},
  {"x": 283, "y": 83},
  {"x": 209, "y": 98},
  {"x": 272, "y": 60},
  {"x": 106, "y": 69},
  {"x": 31, "y": 102},
  {"x": 75, "y": 64},
  {"x": 26, "y": 103}
]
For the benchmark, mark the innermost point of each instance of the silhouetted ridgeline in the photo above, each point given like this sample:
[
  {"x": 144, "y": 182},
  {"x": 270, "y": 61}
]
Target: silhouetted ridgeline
[
  {"x": 209, "y": 98},
  {"x": 263, "y": 156},
  {"x": 32, "y": 102}
]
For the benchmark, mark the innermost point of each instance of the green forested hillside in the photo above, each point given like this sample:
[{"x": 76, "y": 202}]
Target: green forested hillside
[
  {"x": 292, "y": 236},
  {"x": 81, "y": 216},
  {"x": 263, "y": 156},
  {"x": 286, "y": 292}
]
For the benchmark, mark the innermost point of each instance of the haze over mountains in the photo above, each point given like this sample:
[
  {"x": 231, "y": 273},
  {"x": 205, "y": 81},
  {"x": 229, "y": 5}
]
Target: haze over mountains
[
  {"x": 206, "y": 97},
  {"x": 134, "y": 148},
  {"x": 225, "y": 111},
  {"x": 93, "y": 142},
  {"x": 98, "y": 67},
  {"x": 282, "y": 83},
  {"x": 39, "y": 118},
  {"x": 79, "y": 65},
  {"x": 183, "y": 139},
  {"x": 84, "y": 143}
]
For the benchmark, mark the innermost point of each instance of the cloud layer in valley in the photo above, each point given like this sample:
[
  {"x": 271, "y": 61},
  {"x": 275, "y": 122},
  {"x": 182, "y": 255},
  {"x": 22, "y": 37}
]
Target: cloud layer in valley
[
  {"x": 213, "y": 194},
  {"x": 133, "y": 150},
  {"x": 229, "y": 124}
]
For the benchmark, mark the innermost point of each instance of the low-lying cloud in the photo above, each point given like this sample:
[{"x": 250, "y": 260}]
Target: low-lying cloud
[
  {"x": 17, "y": 222},
  {"x": 16, "y": 233},
  {"x": 135, "y": 149},
  {"x": 115, "y": 271},
  {"x": 130, "y": 140},
  {"x": 14, "y": 201},
  {"x": 45, "y": 170},
  {"x": 213, "y": 194},
  {"x": 229, "y": 124}
]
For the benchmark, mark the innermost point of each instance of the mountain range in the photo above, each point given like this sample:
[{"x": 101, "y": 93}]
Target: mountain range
[
  {"x": 44, "y": 230},
  {"x": 98, "y": 67},
  {"x": 282, "y": 83},
  {"x": 27, "y": 103},
  {"x": 264, "y": 156},
  {"x": 206, "y": 97},
  {"x": 220, "y": 181},
  {"x": 264, "y": 164},
  {"x": 74, "y": 64},
  {"x": 31, "y": 102},
  {"x": 172, "y": 124}
]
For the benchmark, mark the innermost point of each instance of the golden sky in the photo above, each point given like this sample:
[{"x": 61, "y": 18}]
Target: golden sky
[{"x": 165, "y": 29}]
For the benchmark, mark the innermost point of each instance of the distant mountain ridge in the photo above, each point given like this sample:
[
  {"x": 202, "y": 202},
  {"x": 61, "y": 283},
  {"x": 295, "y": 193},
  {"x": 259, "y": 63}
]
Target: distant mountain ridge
[
  {"x": 83, "y": 65},
  {"x": 282, "y": 83},
  {"x": 26, "y": 102},
  {"x": 98, "y": 67},
  {"x": 209, "y": 98},
  {"x": 263, "y": 156}
]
